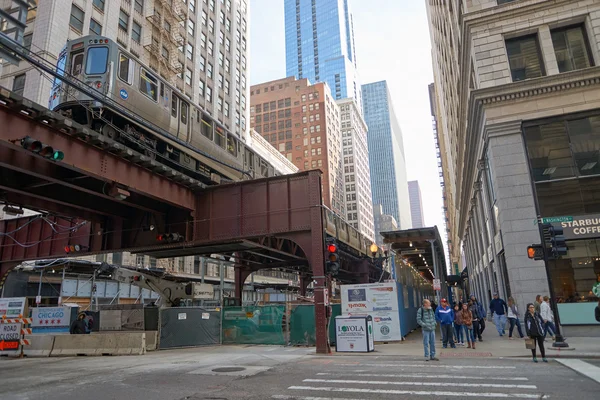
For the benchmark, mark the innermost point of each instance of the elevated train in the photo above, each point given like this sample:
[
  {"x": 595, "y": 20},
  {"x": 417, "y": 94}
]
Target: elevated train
[{"x": 188, "y": 138}]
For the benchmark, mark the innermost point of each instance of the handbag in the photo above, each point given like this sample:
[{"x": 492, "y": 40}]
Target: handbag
[{"x": 530, "y": 344}]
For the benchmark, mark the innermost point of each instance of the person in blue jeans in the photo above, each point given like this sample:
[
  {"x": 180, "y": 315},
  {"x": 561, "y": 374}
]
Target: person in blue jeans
[
  {"x": 445, "y": 314},
  {"x": 498, "y": 308},
  {"x": 427, "y": 322}
]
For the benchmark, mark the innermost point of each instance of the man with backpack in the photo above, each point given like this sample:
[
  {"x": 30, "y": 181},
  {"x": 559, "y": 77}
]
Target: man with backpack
[{"x": 427, "y": 322}]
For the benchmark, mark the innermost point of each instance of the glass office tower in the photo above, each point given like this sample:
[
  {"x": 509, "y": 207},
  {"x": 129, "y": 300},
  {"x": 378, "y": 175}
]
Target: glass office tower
[{"x": 319, "y": 43}]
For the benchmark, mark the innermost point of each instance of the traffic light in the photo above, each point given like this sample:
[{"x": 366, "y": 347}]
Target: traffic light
[
  {"x": 558, "y": 241},
  {"x": 42, "y": 149},
  {"x": 332, "y": 262},
  {"x": 535, "y": 251},
  {"x": 169, "y": 237},
  {"x": 73, "y": 248}
]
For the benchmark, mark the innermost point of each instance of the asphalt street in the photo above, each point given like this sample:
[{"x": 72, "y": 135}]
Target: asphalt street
[{"x": 263, "y": 372}]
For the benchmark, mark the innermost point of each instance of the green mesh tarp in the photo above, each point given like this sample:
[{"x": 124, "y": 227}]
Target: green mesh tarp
[
  {"x": 253, "y": 325},
  {"x": 302, "y": 324}
]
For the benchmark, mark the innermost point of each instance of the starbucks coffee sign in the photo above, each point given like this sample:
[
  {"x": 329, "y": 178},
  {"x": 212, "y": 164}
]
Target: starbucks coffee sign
[{"x": 580, "y": 227}]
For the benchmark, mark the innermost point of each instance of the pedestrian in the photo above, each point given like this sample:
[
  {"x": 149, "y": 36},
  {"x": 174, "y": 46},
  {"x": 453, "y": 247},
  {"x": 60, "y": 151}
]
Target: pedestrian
[
  {"x": 548, "y": 317},
  {"x": 538, "y": 303},
  {"x": 481, "y": 315},
  {"x": 534, "y": 327},
  {"x": 597, "y": 312},
  {"x": 498, "y": 309},
  {"x": 427, "y": 322},
  {"x": 78, "y": 327},
  {"x": 513, "y": 318},
  {"x": 475, "y": 313},
  {"x": 466, "y": 318},
  {"x": 458, "y": 333},
  {"x": 445, "y": 315}
]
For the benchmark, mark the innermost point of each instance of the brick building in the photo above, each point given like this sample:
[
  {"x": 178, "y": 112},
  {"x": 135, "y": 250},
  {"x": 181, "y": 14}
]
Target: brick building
[{"x": 302, "y": 121}]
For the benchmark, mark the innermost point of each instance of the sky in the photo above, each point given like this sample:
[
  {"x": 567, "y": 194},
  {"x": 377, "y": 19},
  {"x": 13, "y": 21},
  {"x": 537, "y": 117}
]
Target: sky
[{"x": 392, "y": 44}]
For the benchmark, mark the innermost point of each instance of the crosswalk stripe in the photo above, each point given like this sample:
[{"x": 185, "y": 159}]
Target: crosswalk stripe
[
  {"x": 419, "y": 392},
  {"x": 286, "y": 397},
  {"x": 425, "y": 376},
  {"x": 432, "y": 366},
  {"x": 587, "y": 369},
  {"x": 444, "y": 384}
]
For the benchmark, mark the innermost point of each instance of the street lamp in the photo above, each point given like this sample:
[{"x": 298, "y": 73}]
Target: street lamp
[{"x": 378, "y": 261}]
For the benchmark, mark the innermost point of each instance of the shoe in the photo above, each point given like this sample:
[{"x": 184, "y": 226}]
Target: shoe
[
  {"x": 435, "y": 359},
  {"x": 544, "y": 360},
  {"x": 453, "y": 346},
  {"x": 473, "y": 345},
  {"x": 480, "y": 339},
  {"x": 503, "y": 332},
  {"x": 445, "y": 347},
  {"x": 426, "y": 358},
  {"x": 469, "y": 346},
  {"x": 534, "y": 360},
  {"x": 511, "y": 338}
]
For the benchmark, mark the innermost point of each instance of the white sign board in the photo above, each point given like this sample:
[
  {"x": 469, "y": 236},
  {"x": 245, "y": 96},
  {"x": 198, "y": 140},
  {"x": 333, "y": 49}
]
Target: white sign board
[
  {"x": 379, "y": 300},
  {"x": 10, "y": 332},
  {"x": 351, "y": 334},
  {"x": 12, "y": 307},
  {"x": 205, "y": 315},
  {"x": 181, "y": 316},
  {"x": 50, "y": 317},
  {"x": 437, "y": 284}
]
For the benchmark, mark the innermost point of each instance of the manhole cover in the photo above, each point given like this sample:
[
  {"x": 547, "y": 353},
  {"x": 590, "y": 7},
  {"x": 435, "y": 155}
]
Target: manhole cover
[{"x": 229, "y": 369}]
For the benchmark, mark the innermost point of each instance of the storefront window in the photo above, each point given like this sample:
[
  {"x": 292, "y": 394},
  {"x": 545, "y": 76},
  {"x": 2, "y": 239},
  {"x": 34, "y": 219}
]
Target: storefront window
[{"x": 575, "y": 274}]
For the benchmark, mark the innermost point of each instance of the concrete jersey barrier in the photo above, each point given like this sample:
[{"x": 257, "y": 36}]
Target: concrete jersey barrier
[{"x": 121, "y": 343}]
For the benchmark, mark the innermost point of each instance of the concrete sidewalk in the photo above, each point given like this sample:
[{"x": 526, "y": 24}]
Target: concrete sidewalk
[{"x": 492, "y": 346}]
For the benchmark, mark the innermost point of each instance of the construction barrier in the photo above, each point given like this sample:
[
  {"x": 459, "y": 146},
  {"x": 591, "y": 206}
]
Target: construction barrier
[
  {"x": 151, "y": 340},
  {"x": 41, "y": 346},
  {"x": 121, "y": 343}
]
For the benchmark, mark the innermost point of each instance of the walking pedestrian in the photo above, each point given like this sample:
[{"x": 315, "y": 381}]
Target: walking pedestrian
[
  {"x": 78, "y": 327},
  {"x": 445, "y": 315},
  {"x": 513, "y": 318},
  {"x": 597, "y": 312},
  {"x": 481, "y": 315},
  {"x": 538, "y": 303},
  {"x": 427, "y": 322},
  {"x": 466, "y": 318},
  {"x": 458, "y": 333},
  {"x": 535, "y": 330},
  {"x": 475, "y": 314},
  {"x": 498, "y": 309},
  {"x": 548, "y": 317}
]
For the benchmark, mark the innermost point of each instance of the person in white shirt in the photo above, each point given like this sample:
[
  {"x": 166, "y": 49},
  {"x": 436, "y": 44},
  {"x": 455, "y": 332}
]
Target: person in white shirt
[
  {"x": 513, "y": 318},
  {"x": 547, "y": 317}
]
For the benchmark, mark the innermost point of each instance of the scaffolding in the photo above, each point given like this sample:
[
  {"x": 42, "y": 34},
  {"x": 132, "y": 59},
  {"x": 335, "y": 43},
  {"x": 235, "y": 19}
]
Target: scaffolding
[{"x": 168, "y": 37}]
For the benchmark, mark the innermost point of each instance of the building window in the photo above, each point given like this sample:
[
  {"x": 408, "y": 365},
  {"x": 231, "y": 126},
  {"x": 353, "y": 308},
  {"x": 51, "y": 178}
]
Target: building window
[
  {"x": 209, "y": 70},
  {"x": 123, "y": 21},
  {"x": 19, "y": 84},
  {"x": 210, "y": 48},
  {"x": 136, "y": 32},
  {"x": 201, "y": 62},
  {"x": 138, "y": 6},
  {"x": 188, "y": 76},
  {"x": 571, "y": 48},
  {"x": 191, "y": 27},
  {"x": 201, "y": 89},
  {"x": 525, "y": 58},
  {"x": 192, "y": 5},
  {"x": 95, "y": 27},
  {"x": 99, "y": 4},
  {"x": 209, "y": 94},
  {"x": 27, "y": 41},
  {"x": 77, "y": 16},
  {"x": 190, "y": 51}
]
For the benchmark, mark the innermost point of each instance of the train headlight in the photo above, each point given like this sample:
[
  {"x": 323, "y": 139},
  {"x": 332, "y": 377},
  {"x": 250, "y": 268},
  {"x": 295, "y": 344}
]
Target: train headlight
[{"x": 98, "y": 85}]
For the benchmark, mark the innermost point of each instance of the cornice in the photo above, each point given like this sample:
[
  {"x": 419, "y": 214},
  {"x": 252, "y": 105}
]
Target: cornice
[{"x": 510, "y": 10}]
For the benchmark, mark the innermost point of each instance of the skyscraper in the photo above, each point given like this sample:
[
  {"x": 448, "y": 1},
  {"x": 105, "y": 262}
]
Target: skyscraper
[
  {"x": 386, "y": 154},
  {"x": 319, "y": 45},
  {"x": 416, "y": 205}
]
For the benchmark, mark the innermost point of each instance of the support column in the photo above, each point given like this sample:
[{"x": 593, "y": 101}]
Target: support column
[
  {"x": 241, "y": 273},
  {"x": 304, "y": 282},
  {"x": 435, "y": 268},
  {"x": 317, "y": 261}
]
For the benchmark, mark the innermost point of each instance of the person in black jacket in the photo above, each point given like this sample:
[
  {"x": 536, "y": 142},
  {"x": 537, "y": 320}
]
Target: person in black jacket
[
  {"x": 598, "y": 311},
  {"x": 534, "y": 327},
  {"x": 78, "y": 327}
]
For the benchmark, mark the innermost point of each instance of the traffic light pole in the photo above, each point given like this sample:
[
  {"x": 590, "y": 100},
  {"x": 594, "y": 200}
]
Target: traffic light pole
[{"x": 559, "y": 340}]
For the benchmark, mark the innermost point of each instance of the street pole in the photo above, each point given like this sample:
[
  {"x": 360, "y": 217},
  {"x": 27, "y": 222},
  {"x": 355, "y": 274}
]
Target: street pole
[{"x": 559, "y": 340}]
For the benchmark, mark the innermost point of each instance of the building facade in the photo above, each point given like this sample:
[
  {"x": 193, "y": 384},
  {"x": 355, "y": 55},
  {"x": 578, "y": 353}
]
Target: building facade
[
  {"x": 389, "y": 184},
  {"x": 201, "y": 46},
  {"x": 302, "y": 121},
  {"x": 383, "y": 223},
  {"x": 357, "y": 176},
  {"x": 518, "y": 101},
  {"x": 319, "y": 45},
  {"x": 416, "y": 204}
]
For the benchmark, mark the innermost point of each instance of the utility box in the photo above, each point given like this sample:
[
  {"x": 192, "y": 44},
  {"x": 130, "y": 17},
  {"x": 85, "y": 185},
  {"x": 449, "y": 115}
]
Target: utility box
[{"x": 354, "y": 334}]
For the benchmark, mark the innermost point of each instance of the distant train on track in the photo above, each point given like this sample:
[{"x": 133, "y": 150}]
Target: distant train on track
[{"x": 194, "y": 139}]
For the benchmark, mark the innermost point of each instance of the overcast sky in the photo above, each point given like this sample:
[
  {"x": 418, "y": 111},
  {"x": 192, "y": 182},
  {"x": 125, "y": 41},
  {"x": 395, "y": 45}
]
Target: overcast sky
[{"x": 392, "y": 43}]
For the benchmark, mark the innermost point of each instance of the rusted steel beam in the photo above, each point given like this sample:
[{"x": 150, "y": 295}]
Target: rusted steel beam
[{"x": 90, "y": 160}]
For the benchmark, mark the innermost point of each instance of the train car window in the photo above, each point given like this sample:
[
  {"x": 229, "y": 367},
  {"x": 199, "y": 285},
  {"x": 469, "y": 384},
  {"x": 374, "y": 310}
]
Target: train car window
[
  {"x": 60, "y": 68},
  {"x": 220, "y": 137},
  {"x": 174, "y": 101},
  {"x": 162, "y": 90},
  {"x": 148, "y": 84},
  {"x": 97, "y": 60},
  {"x": 184, "y": 112},
  {"x": 264, "y": 168},
  {"x": 124, "y": 63},
  {"x": 77, "y": 66},
  {"x": 232, "y": 147},
  {"x": 206, "y": 128}
]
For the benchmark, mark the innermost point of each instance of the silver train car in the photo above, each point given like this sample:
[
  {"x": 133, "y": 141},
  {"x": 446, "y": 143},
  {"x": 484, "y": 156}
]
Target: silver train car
[{"x": 194, "y": 140}]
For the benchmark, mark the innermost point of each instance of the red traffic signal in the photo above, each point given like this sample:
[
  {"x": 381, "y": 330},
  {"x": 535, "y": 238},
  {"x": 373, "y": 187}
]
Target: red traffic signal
[
  {"x": 332, "y": 248},
  {"x": 44, "y": 150},
  {"x": 169, "y": 237},
  {"x": 535, "y": 251},
  {"x": 74, "y": 248}
]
